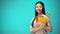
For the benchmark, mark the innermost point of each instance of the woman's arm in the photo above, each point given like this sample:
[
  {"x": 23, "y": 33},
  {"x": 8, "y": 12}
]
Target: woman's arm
[
  {"x": 48, "y": 26},
  {"x": 34, "y": 29}
]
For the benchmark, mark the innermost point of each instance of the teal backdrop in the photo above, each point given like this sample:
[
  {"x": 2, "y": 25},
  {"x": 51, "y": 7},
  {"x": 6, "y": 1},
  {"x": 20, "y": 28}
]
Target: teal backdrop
[{"x": 16, "y": 15}]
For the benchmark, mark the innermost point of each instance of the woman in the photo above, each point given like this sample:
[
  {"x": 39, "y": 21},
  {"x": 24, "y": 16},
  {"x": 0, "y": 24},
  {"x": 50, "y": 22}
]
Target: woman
[{"x": 43, "y": 28}]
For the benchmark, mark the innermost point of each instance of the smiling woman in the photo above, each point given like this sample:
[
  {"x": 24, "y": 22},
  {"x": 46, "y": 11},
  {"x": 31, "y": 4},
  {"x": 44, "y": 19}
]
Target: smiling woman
[
  {"x": 16, "y": 15},
  {"x": 41, "y": 22}
]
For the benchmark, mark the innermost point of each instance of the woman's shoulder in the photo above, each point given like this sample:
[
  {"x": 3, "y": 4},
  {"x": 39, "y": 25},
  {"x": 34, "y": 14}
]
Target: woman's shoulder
[{"x": 47, "y": 15}]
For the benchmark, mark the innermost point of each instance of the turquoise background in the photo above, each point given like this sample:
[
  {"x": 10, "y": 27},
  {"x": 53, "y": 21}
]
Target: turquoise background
[{"x": 16, "y": 15}]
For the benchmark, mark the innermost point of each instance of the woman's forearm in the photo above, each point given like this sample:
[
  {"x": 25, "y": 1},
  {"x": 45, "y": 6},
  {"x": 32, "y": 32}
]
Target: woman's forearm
[
  {"x": 35, "y": 29},
  {"x": 48, "y": 28}
]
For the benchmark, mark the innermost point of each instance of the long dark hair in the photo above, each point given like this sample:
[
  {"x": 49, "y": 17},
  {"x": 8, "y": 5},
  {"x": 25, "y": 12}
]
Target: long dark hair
[{"x": 43, "y": 10}]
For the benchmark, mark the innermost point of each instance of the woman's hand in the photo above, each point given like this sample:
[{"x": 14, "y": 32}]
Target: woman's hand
[
  {"x": 39, "y": 24},
  {"x": 42, "y": 25}
]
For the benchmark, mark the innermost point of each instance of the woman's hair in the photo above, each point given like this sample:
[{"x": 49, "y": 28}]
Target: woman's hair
[{"x": 43, "y": 11}]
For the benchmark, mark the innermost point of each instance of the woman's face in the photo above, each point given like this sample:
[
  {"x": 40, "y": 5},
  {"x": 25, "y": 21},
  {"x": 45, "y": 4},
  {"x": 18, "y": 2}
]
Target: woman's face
[{"x": 39, "y": 8}]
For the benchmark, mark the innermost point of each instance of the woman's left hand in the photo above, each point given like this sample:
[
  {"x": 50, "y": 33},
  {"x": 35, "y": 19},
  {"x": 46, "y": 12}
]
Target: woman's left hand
[{"x": 42, "y": 25}]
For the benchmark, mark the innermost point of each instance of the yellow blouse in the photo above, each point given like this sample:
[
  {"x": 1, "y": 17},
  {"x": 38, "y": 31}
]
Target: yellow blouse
[{"x": 42, "y": 19}]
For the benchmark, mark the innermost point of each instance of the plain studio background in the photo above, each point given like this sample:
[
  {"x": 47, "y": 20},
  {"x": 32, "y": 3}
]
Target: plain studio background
[{"x": 16, "y": 15}]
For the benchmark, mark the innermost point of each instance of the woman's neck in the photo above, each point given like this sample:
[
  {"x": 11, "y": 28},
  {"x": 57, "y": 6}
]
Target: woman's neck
[{"x": 40, "y": 14}]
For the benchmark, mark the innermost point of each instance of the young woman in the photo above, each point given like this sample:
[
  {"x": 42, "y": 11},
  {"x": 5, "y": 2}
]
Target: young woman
[{"x": 43, "y": 28}]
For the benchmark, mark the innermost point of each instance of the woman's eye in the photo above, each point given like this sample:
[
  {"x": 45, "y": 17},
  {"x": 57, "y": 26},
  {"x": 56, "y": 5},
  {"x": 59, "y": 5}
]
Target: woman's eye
[
  {"x": 36, "y": 6},
  {"x": 40, "y": 6}
]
